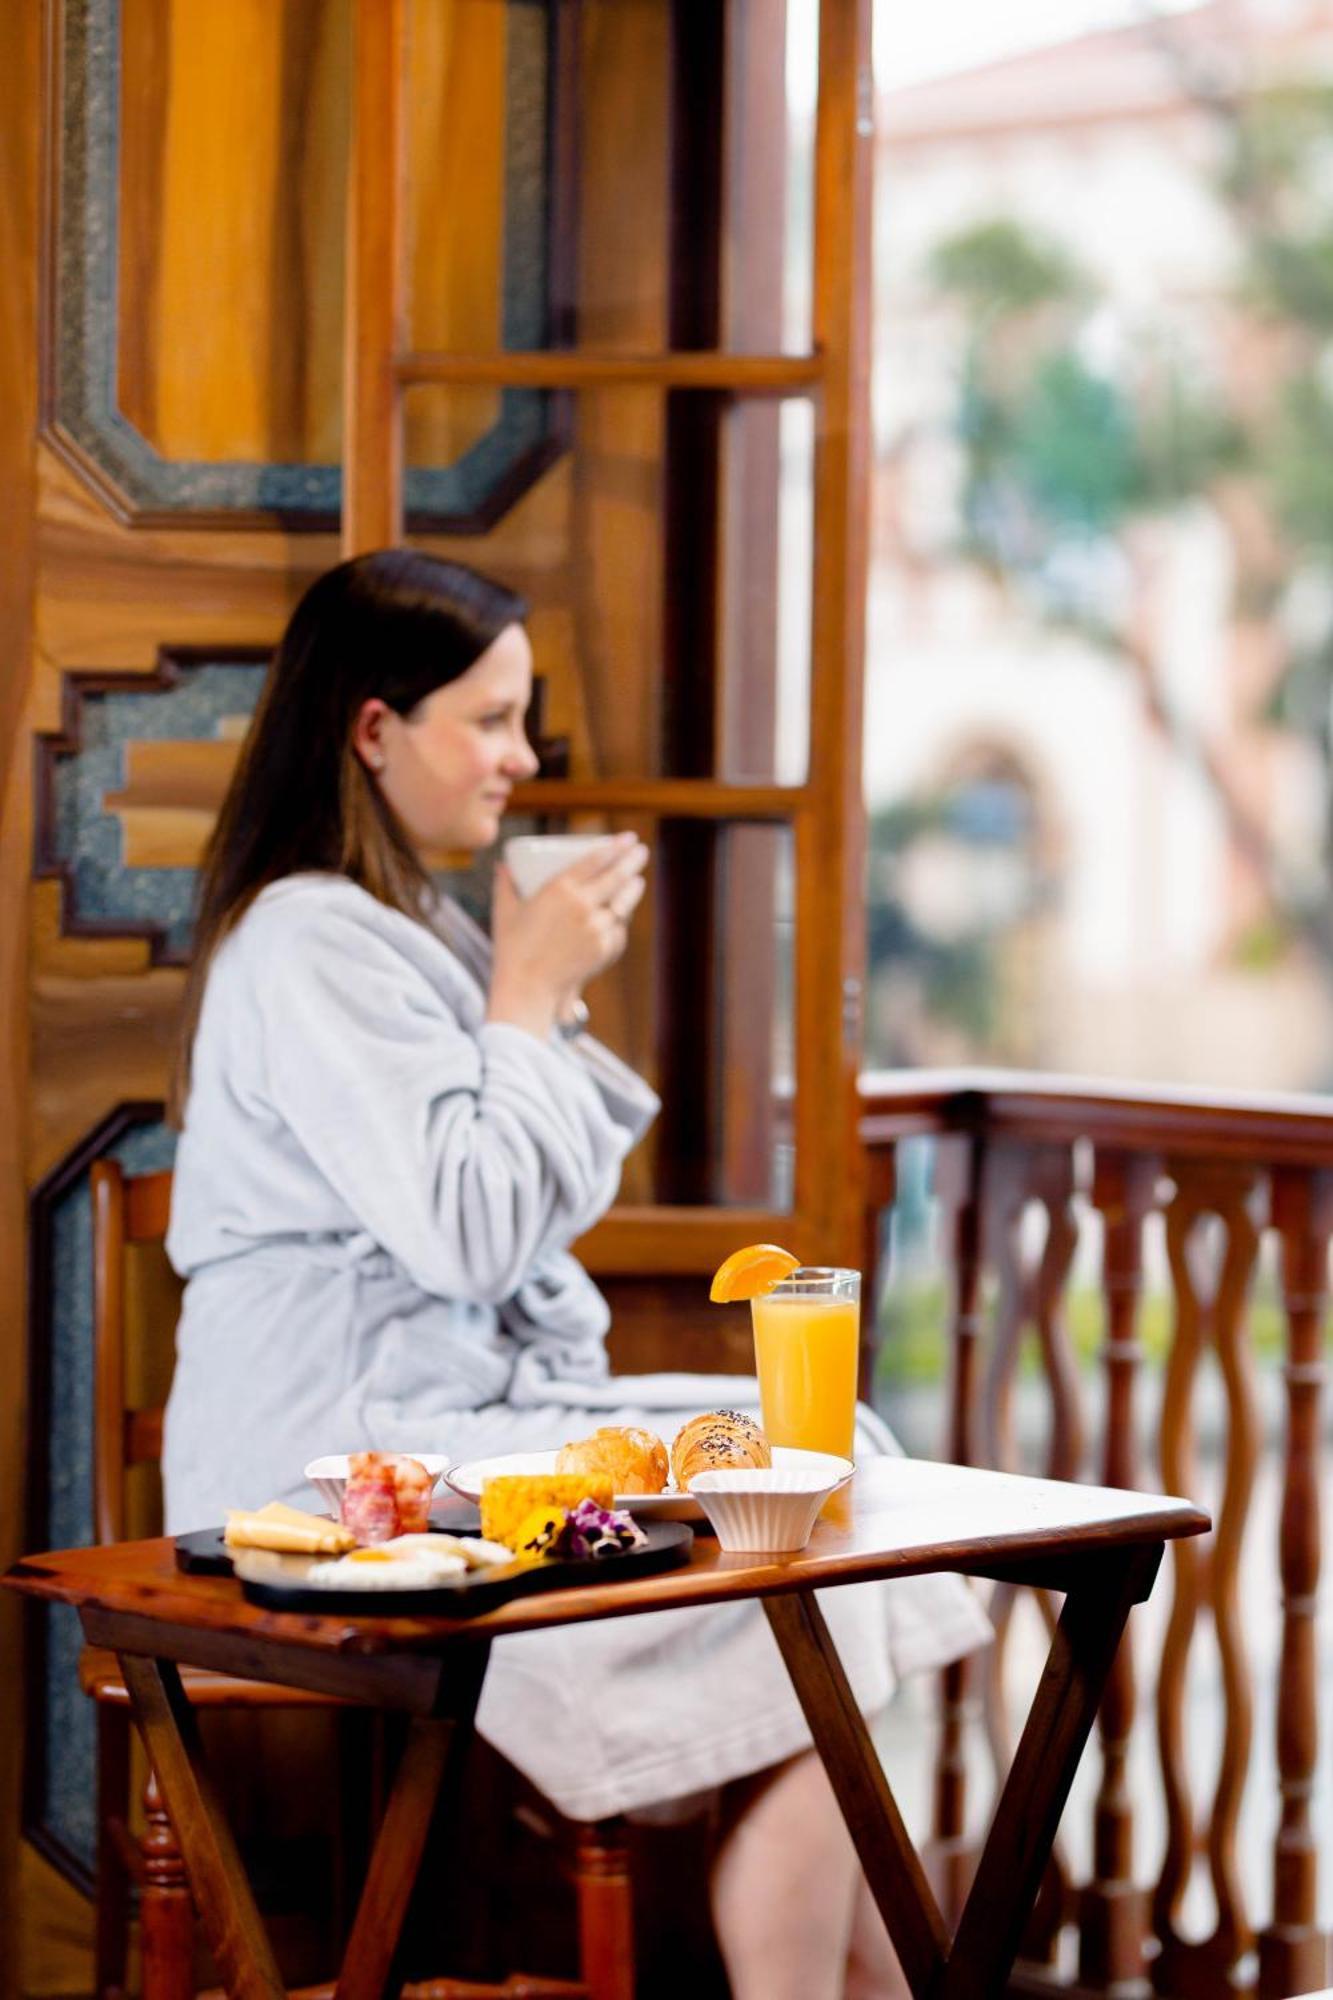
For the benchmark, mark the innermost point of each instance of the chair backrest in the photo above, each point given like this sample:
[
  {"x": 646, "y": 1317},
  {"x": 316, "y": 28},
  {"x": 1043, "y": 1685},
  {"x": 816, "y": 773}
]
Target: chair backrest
[{"x": 128, "y": 1211}]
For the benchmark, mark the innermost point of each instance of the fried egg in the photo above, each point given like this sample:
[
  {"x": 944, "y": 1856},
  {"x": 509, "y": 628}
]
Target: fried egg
[
  {"x": 475, "y": 1552},
  {"x": 382, "y": 1568}
]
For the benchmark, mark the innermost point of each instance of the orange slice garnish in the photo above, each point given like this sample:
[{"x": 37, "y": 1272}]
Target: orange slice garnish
[{"x": 749, "y": 1272}]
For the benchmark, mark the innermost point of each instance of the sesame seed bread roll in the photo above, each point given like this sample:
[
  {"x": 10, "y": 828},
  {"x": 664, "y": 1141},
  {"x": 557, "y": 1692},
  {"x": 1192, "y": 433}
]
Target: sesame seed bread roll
[{"x": 720, "y": 1440}]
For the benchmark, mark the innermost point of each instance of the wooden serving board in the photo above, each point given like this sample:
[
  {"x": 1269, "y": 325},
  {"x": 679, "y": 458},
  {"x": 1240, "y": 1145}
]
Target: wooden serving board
[{"x": 204, "y": 1553}]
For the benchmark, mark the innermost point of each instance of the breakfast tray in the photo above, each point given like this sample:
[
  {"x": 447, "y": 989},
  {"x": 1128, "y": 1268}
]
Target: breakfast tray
[{"x": 204, "y": 1553}]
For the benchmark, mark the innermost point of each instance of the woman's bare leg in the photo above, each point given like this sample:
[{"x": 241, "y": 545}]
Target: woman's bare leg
[
  {"x": 873, "y": 1971},
  {"x": 787, "y": 1890},
  {"x": 784, "y": 1883}
]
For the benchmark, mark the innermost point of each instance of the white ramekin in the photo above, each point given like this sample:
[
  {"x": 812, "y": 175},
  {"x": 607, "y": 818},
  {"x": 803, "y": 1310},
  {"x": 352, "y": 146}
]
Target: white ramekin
[
  {"x": 773, "y": 1510},
  {"x": 329, "y": 1475}
]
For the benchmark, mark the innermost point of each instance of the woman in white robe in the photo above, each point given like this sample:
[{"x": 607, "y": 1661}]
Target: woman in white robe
[{"x": 392, "y": 1131}]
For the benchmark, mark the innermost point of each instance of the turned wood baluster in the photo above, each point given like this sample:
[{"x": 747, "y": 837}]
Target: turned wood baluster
[
  {"x": 1030, "y": 1295},
  {"x": 1179, "y": 1475},
  {"x": 1113, "y": 1922},
  {"x": 1005, "y": 1194},
  {"x": 1053, "y": 1184},
  {"x": 1209, "y": 1965},
  {"x": 1293, "y": 1951},
  {"x": 1231, "y": 1334},
  {"x": 959, "y": 1167},
  {"x": 166, "y": 1909},
  {"x": 881, "y": 1174},
  {"x": 606, "y": 1919}
]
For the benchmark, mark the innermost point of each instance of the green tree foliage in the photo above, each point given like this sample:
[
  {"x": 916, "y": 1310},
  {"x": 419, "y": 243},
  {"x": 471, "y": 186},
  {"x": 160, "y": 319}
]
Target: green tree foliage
[
  {"x": 1062, "y": 451},
  {"x": 999, "y": 267},
  {"x": 955, "y": 975},
  {"x": 1074, "y": 428}
]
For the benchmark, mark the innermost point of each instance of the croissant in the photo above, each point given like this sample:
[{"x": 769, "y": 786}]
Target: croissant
[
  {"x": 634, "y": 1461},
  {"x": 719, "y": 1439}
]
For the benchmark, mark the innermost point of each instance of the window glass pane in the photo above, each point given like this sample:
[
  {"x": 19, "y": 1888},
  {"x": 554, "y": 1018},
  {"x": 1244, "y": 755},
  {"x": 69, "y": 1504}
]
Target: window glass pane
[
  {"x": 766, "y": 549},
  {"x": 700, "y": 1005},
  {"x": 664, "y": 545},
  {"x": 767, "y": 176},
  {"x": 626, "y": 174},
  {"x": 1098, "y": 753}
]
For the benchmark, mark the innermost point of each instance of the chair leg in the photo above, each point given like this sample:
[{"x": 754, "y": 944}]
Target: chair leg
[
  {"x": 606, "y": 1913},
  {"x": 113, "y": 1880},
  {"x": 166, "y": 1912}
]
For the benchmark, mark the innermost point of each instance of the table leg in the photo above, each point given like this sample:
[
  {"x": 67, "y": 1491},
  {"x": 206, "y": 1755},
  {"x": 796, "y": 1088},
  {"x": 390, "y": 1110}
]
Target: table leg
[
  {"x": 432, "y": 1760},
  {"x": 222, "y": 1894},
  {"x": 892, "y": 1868},
  {"x": 1102, "y": 1592}
]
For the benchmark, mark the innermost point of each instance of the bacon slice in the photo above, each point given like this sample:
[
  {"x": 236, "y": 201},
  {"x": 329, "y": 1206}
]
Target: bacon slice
[
  {"x": 370, "y": 1501},
  {"x": 387, "y": 1494},
  {"x": 413, "y": 1486}
]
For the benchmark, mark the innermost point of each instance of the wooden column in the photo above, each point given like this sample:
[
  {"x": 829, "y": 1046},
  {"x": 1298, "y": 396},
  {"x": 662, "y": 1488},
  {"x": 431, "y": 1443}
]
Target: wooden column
[
  {"x": 373, "y": 328},
  {"x": 830, "y": 841}
]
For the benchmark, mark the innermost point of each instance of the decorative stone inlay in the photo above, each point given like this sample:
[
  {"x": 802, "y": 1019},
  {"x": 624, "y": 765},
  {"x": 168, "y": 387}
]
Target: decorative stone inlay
[{"x": 84, "y": 772}]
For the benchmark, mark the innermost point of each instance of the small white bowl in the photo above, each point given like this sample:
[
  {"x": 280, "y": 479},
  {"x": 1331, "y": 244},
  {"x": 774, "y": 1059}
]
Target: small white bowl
[
  {"x": 329, "y": 1475},
  {"x": 534, "y": 858},
  {"x": 772, "y": 1511}
]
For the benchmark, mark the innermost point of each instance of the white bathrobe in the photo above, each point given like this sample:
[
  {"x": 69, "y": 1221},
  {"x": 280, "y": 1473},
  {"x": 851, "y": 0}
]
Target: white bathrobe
[{"x": 374, "y": 1194}]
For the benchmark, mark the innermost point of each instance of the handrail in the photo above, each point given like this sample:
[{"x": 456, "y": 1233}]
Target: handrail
[{"x": 1273, "y": 1127}]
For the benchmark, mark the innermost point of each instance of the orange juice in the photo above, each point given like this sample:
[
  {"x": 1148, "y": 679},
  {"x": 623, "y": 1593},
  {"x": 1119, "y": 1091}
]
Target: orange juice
[{"x": 806, "y": 1344}]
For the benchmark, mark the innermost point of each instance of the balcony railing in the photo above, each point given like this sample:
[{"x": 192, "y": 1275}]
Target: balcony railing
[{"x": 1043, "y": 1188}]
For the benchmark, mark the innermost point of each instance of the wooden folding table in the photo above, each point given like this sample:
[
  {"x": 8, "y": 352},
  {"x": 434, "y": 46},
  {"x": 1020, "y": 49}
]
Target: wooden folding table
[{"x": 1100, "y": 1547}]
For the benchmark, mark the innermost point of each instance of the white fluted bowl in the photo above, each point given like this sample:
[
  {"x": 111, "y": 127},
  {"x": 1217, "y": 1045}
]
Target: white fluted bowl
[
  {"x": 771, "y": 1511},
  {"x": 328, "y": 1475}
]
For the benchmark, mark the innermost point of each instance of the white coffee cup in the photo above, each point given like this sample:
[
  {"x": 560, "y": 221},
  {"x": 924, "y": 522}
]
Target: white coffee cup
[{"x": 534, "y": 858}]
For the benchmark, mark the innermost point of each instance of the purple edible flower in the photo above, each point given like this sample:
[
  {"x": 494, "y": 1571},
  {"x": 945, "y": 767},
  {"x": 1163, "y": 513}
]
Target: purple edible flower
[{"x": 591, "y": 1531}]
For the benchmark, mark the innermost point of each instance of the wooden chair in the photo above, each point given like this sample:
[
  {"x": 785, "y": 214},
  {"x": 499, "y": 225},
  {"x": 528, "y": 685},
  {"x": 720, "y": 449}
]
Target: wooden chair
[
  {"x": 131, "y": 1211},
  {"x": 127, "y": 1434}
]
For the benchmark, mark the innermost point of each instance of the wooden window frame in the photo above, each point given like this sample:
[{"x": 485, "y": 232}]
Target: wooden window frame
[{"x": 826, "y": 813}]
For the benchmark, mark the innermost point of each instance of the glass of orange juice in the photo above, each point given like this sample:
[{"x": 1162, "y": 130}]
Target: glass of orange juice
[{"x": 807, "y": 1338}]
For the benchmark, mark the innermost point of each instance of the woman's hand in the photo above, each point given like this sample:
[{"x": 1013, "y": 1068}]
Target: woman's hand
[{"x": 545, "y": 948}]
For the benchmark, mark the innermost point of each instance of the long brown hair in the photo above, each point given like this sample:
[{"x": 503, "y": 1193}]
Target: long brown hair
[{"x": 395, "y": 624}]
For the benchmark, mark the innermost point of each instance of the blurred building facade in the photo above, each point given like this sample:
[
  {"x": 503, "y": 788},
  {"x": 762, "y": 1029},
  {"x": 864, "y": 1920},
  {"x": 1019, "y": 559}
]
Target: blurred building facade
[{"x": 1085, "y": 848}]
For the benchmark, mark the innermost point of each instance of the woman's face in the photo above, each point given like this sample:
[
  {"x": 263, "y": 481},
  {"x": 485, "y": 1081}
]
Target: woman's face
[{"x": 448, "y": 767}]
